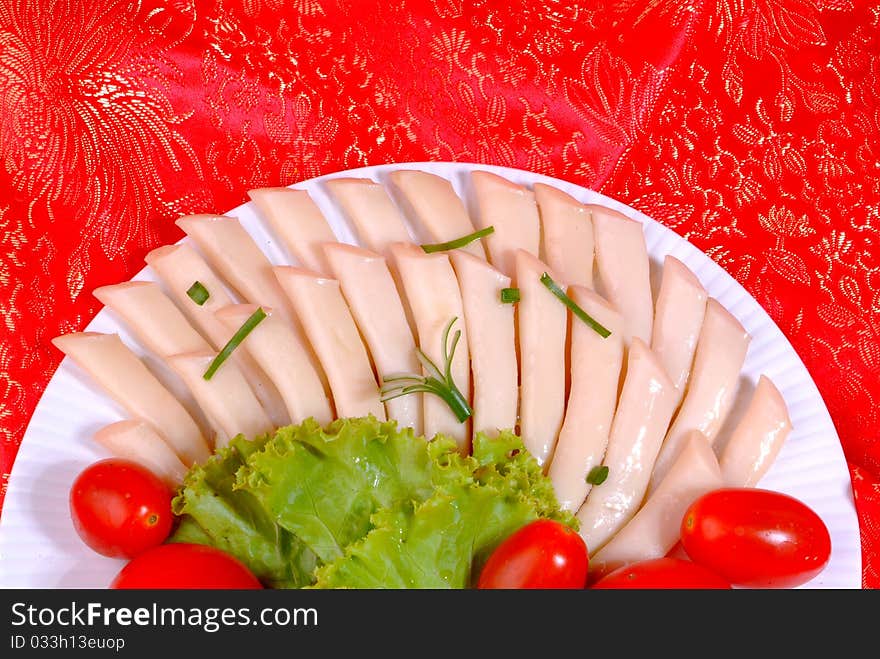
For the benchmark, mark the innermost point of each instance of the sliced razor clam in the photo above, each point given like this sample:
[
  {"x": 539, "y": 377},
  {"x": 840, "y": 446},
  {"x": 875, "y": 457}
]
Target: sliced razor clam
[
  {"x": 130, "y": 383},
  {"x": 178, "y": 267},
  {"x": 152, "y": 316},
  {"x": 298, "y": 223},
  {"x": 643, "y": 412},
  {"x": 596, "y": 363},
  {"x": 757, "y": 438},
  {"x": 568, "y": 241},
  {"x": 681, "y": 307},
  {"x": 334, "y": 337},
  {"x": 138, "y": 441},
  {"x": 434, "y": 299},
  {"x": 511, "y": 209},
  {"x": 160, "y": 327},
  {"x": 721, "y": 351},
  {"x": 492, "y": 343},
  {"x": 542, "y": 324},
  {"x": 226, "y": 398},
  {"x": 624, "y": 270},
  {"x": 435, "y": 208},
  {"x": 372, "y": 296},
  {"x": 377, "y": 221},
  {"x": 285, "y": 360},
  {"x": 655, "y": 529},
  {"x": 234, "y": 254}
]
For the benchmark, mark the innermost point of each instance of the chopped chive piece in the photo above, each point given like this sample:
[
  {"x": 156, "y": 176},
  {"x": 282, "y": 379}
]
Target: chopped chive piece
[
  {"x": 239, "y": 336},
  {"x": 597, "y": 475},
  {"x": 438, "y": 382},
  {"x": 509, "y": 295},
  {"x": 554, "y": 288},
  {"x": 198, "y": 293},
  {"x": 458, "y": 242}
]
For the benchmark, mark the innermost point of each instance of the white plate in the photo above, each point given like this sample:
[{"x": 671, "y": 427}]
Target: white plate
[{"x": 39, "y": 547}]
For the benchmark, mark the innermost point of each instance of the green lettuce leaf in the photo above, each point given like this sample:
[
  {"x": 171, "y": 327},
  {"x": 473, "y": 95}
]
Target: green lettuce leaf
[
  {"x": 216, "y": 513},
  {"x": 323, "y": 485},
  {"x": 431, "y": 544},
  {"x": 444, "y": 541},
  {"x": 503, "y": 462},
  {"x": 363, "y": 504},
  {"x": 188, "y": 530}
]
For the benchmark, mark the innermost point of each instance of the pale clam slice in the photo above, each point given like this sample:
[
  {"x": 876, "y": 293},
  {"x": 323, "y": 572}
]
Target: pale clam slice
[
  {"x": 511, "y": 209},
  {"x": 657, "y": 526},
  {"x": 130, "y": 383},
  {"x": 153, "y": 317},
  {"x": 624, "y": 270},
  {"x": 281, "y": 354},
  {"x": 235, "y": 255},
  {"x": 434, "y": 299},
  {"x": 681, "y": 307},
  {"x": 435, "y": 209},
  {"x": 139, "y": 442},
  {"x": 298, "y": 223},
  {"x": 542, "y": 324},
  {"x": 596, "y": 364},
  {"x": 567, "y": 235},
  {"x": 721, "y": 351},
  {"x": 643, "y": 412},
  {"x": 334, "y": 337},
  {"x": 757, "y": 438},
  {"x": 160, "y": 326},
  {"x": 178, "y": 267},
  {"x": 492, "y": 343},
  {"x": 372, "y": 296},
  {"x": 226, "y": 398},
  {"x": 377, "y": 220}
]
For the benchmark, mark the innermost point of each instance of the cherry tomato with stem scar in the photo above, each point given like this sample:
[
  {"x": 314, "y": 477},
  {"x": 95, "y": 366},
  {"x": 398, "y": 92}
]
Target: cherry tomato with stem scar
[{"x": 120, "y": 509}]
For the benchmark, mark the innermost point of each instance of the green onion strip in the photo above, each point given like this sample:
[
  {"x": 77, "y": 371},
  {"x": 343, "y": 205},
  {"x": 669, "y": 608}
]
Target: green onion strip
[
  {"x": 247, "y": 327},
  {"x": 458, "y": 242},
  {"x": 554, "y": 288},
  {"x": 198, "y": 293},
  {"x": 509, "y": 295},
  {"x": 597, "y": 475}
]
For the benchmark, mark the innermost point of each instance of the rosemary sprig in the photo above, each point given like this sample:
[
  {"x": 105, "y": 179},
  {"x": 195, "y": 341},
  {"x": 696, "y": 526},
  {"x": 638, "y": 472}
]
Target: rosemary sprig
[{"x": 437, "y": 382}]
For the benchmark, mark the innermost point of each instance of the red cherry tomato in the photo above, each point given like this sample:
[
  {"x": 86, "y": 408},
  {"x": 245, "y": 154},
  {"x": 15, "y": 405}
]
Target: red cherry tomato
[
  {"x": 185, "y": 566},
  {"x": 756, "y": 538},
  {"x": 662, "y": 573},
  {"x": 542, "y": 554},
  {"x": 120, "y": 509}
]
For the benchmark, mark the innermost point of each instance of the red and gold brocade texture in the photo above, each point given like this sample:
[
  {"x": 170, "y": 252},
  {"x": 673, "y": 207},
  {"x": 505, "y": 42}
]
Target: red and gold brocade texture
[{"x": 750, "y": 127}]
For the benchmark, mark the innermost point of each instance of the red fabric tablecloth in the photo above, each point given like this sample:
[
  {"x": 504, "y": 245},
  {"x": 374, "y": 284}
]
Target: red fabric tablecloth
[{"x": 751, "y": 128}]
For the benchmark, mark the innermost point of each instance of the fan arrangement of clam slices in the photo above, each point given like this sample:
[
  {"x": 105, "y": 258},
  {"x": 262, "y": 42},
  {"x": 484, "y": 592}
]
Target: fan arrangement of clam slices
[
  {"x": 347, "y": 319},
  {"x": 623, "y": 378}
]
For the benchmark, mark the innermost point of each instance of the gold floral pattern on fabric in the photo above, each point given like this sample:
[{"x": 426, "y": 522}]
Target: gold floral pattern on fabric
[{"x": 750, "y": 127}]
